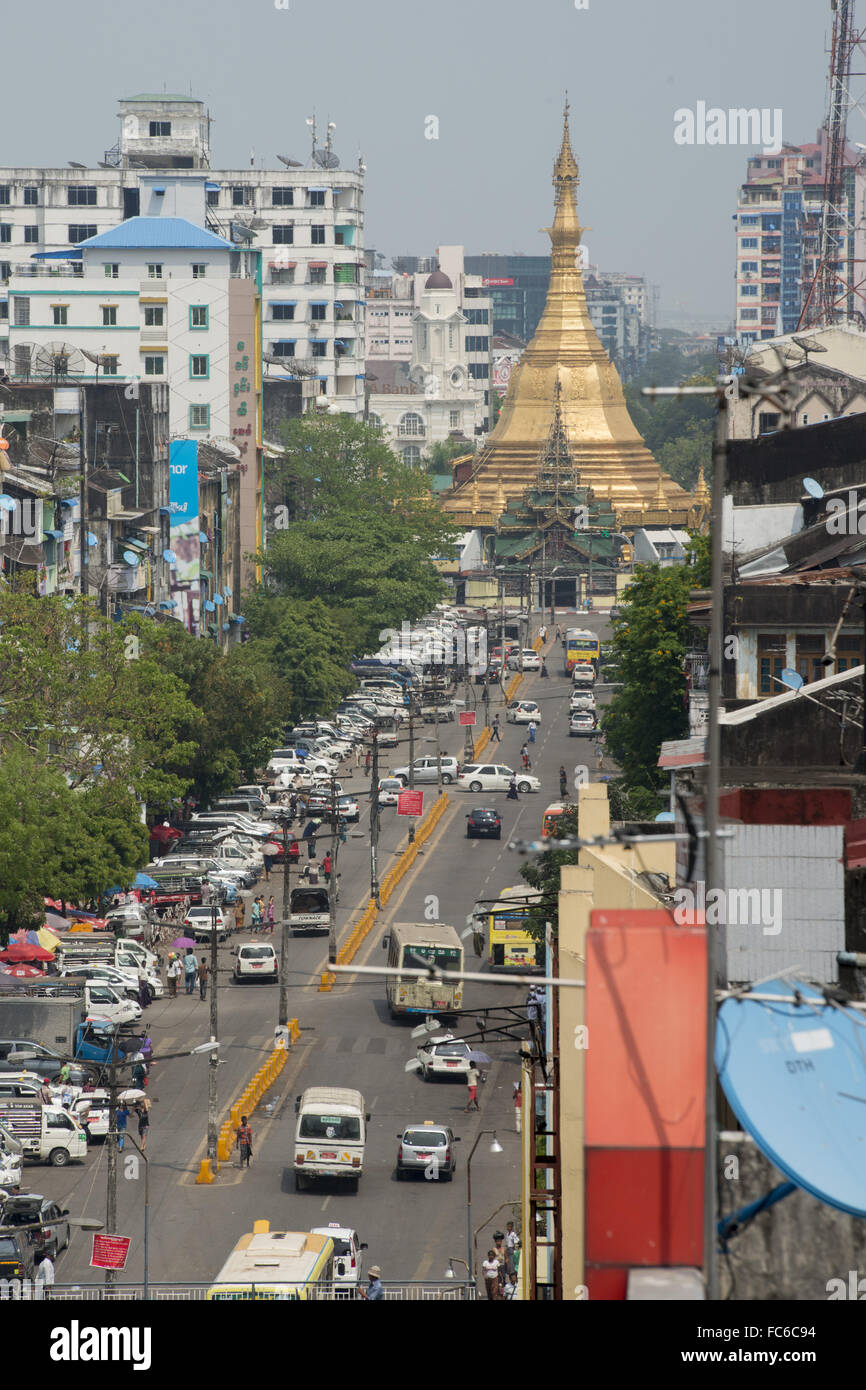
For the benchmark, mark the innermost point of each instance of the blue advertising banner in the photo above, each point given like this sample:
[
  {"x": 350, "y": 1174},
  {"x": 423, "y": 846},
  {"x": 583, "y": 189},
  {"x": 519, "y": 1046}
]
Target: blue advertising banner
[{"x": 185, "y": 543}]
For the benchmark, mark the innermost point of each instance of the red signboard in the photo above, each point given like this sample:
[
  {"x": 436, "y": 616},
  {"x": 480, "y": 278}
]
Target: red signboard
[
  {"x": 494, "y": 281},
  {"x": 410, "y": 803},
  {"x": 109, "y": 1252},
  {"x": 466, "y": 716}
]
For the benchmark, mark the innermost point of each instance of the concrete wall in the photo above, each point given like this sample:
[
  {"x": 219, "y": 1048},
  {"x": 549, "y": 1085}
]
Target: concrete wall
[{"x": 790, "y": 1251}]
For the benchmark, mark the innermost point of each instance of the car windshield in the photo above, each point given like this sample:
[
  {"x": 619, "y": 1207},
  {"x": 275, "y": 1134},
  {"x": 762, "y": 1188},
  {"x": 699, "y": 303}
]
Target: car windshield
[
  {"x": 256, "y": 952},
  {"x": 452, "y": 1049},
  {"x": 8, "y": 1248},
  {"x": 343, "y": 1127},
  {"x": 425, "y": 1138}
]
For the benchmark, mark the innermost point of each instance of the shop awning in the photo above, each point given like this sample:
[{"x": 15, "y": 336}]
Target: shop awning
[{"x": 318, "y": 265}]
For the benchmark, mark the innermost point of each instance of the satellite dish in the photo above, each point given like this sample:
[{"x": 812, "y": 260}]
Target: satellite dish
[
  {"x": 290, "y": 163},
  {"x": 795, "y": 1075},
  {"x": 130, "y": 557},
  {"x": 808, "y": 345},
  {"x": 325, "y": 158},
  {"x": 218, "y": 600},
  {"x": 664, "y": 816},
  {"x": 791, "y": 678},
  {"x": 813, "y": 488},
  {"x": 210, "y": 606},
  {"x": 58, "y": 362},
  {"x": 170, "y": 556}
]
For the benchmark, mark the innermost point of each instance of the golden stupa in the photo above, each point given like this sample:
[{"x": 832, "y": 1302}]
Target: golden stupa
[{"x": 609, "y": 453}]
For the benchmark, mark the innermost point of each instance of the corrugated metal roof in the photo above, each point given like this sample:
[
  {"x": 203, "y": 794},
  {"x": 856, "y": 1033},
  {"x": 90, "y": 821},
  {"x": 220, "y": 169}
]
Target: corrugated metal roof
[
  {"x": 158, "y": 233},
  {"x": 750, "y": 712}
]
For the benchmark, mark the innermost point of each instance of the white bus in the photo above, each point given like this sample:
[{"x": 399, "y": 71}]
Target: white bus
[{"x": 414, "y": 945}]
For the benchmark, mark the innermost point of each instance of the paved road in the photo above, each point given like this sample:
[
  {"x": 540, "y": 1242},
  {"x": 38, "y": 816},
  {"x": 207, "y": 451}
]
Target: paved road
[{"x": 347, "y": 1038}]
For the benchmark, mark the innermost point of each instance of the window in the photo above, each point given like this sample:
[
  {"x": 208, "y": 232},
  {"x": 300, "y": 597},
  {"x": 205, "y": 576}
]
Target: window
[
  {"x": 109, "y": 315},
  {"x": 199, "y": 417},
  {"x": 109, "y": 366},
  {"x": 213, "y": 197},
  {"x": 5, "y": 270},
  {"x": 746, "y": 314},
  {"x": 154, "y": 366},
  {"x": 771, "y": 662},
  {"x": 317, "y": 273},
  {"x": 243, "y": 197},
  {"x": 5, "y": 193},
  {"x": 479, "y": 371},
  {"x": 454, "y": 420},
  {"x": 59, "y": 314},
  {"x": 282, "y": 197},
  {"x": 80, "y": 231},
  {"x": 283, "y": 311},
  {"x": 849, "y": 652},
  {"x": 81, "y": 196},
  {"x": 317, "y": 197},
  {"x": 31, "y": 197},
  {"x": 317, "y": 311},
  {"x": 748, "y": 290},
  {"x": 810, "y": 654},
  {"x": 374, "y": 421},
  {"x": 749, "y": 243},
  {"x": 748, "y": 267},
  {"x": 154, "y": 315},
  {"x": 767, "y": 420},
  {"x": 199, "y": 365},
  {"x": 282, "y": 275},
  {"x": 112, "y": 270},
  {"x": 159, "y": 129},
  {"x": 21, "y": 310},
  {"x": 154, "y": 271},
  {"x": 411, "y": 424},
  {"x": 283, "y": 348},
  {"x": 317, "y": 235},
  {"x": 198, "y": 316},
  {"x": 411, "y": 455},
  {"x": 198, "y": 270},
  {"x": 284, "y": 235},
  {"x": 5, "y": 231},
  {"x": 475, "y": 343},
  {"x": 318, "y": 349},
  {"x": 31, "y": 235}
]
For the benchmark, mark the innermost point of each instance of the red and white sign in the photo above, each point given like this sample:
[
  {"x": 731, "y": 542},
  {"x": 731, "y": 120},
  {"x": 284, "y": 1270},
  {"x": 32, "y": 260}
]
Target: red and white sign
[
  {"x": 466, "y": 716},
  {"x": 492, "y": 280},
  {"x": 410, "y": 803},
  {"x": 109, "y": 1252}
]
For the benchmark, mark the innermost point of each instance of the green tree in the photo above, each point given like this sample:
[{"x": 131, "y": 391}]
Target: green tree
[
  {"x": 678, "y": 430},
  {"x": 699, "y": 557},
  {"x": 650, "y": 642},
  {"x": 307, "y": 650},
  {"x": 543, "y": 874},
  {"x": 442, "y": 452}
]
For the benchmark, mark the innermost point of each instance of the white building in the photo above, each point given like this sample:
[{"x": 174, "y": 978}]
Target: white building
[
  {"x": 442, "y": 388},
  {"x": 308, "y": 223}
]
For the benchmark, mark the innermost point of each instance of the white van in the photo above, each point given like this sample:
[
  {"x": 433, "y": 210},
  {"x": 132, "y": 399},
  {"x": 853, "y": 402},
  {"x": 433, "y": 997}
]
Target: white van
[
  {"x": 45, "y": 1132},
  {"x": 330, "y": 1135}
]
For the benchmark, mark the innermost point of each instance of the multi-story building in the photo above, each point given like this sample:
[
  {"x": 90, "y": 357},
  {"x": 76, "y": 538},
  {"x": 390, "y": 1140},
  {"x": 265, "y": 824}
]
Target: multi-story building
[
  {"x": 517, "y": 286},
  {"x": 306, "y": 220},
  {"x": 778, "y": 221},
  {"x": 441, "y": 388}
]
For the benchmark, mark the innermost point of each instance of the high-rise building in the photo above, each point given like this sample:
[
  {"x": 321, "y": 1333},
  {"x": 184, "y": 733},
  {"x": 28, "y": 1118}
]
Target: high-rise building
[
  {"x": 306, "y": 218},
  {"x": 778, "y": 220},
  {"x": 517, "y": 286}
]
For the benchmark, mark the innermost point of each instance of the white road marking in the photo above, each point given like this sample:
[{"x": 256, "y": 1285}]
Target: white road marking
[{"x": 325, "y": 1203}]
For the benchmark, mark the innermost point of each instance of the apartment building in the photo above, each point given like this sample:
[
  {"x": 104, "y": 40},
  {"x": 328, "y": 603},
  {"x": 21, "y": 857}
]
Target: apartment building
[{"x": 306, "y": 219}]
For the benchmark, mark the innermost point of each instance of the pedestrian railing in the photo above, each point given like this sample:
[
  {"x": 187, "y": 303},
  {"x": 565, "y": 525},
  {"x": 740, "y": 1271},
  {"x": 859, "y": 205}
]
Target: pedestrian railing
[{"x": 413, "y": 1291}]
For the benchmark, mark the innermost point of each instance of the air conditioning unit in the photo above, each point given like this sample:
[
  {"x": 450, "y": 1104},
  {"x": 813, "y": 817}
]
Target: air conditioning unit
[{"x": 113, "y": 503}]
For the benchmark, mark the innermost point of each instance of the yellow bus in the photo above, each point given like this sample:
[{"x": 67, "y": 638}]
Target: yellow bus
[
  {"x": 274, "y": 1265},
  {"x": 416, "y": 944},
  {"x": 509, "y": 946},
  {"x": 580, "y": 645}
]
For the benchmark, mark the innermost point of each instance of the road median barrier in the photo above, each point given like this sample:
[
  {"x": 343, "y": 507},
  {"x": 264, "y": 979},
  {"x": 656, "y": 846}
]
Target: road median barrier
[
  {"x": 392, "y": 878},
  {"x": 263, "y": 1079}
]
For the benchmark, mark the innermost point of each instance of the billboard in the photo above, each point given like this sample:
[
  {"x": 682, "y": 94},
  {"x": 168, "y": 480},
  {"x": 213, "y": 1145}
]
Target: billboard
[
  {"x": 496, "y": 280},
  {"x": 185, "y": 545}
]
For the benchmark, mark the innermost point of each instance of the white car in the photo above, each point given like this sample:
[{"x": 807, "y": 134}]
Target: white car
[
  {"x": 581, "y": 699},
  {"x": 348, "y": 1260},
  {"x": 199, "y": 923},
  {"x": 494, "y": 777},
  {"x": 94, "y": 1104},
  {"x": 256, "y": 960},
  {"x": 444, "y": 1056},
  {"x": 11, "y": 1166},
  {"x": 582, "y": 722},
  {"x": 531, "y": 660},
  {"x": 389, "y": 789},
  {"x": 523, "y": 712},
  {"x": 124, "y": 981},
  {"x": 583, "y": 673}
]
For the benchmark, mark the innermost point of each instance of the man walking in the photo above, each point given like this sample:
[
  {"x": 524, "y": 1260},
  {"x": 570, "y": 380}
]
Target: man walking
[
  {"x": 190, "y": 969},
  {"x": 244, "y": 1141},
  {"x": 359, "y": 755},
  {"x": 310, "y": 836},
  {"x": 472, "y": 1083},
  {"x": 532, "y": 727},
  {"x": 203, "y": 974},
  {"x": 121, "y": 1121},
  {"x": 374, "y": 1292},
  {"x": 494, "y": 729},
  {"x": 173, "y": 975}
]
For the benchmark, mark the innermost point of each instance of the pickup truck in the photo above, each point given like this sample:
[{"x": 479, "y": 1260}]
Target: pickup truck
[{"x": 46, "y": 1133}]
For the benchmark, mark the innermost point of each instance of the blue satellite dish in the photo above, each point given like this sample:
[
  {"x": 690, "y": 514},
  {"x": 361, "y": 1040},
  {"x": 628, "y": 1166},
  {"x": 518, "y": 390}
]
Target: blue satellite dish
[
  {"x": 91, "y": 539},
  {"x": 218, "y": 598},
  {"x": 791, "y": 678},
  {"x": 130, "y": 557},
  {"x": 202, "y": 535},
  {"x": 795, "y": 1075},
  {"x": 7, "y": 503},
  {"x": 227, "y": 591},
  {"x": 813, "y": 488},
  {"x": 664, "y": 816},
  {"x": 170, "y": 556},
  {"x": 210, "y": 606}
]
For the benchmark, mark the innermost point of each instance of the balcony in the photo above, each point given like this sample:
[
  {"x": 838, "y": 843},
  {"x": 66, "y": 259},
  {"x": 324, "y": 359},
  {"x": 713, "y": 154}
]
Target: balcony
[{"x": 155, "y": 335}]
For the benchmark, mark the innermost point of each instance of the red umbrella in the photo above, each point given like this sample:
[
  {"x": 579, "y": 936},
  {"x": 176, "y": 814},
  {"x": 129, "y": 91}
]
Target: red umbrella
[
  {"x": 20, "y": 951},
  {"x": 23, "y": 972}
]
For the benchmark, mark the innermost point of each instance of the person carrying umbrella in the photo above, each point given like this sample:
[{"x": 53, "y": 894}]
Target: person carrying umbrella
[
  {"x": 173, "y": 974},
  {"x": 141, "y": 1114}
]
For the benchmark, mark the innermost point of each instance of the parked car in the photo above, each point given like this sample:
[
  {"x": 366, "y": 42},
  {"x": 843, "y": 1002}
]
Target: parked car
[
  {"x": 199, "y": 923},
  {"x": 16, "y": 1257},
  {"x": 494, "y": 777},
  {"x": 256, "y": 960},
  {"x": 531, "y": 660},
  {"x": 389, "y": 789},
  {"x": 52, "y": 1234},
  {"x": 41, "y": 1061},
  {"x": 582, "y": 722},
  {"x": 483, "y": 821},
  {"x": 348, "y": 808},
  {"x": 425, "y": 770},
  {"x": 523, "y": 712},
  {"x": 427, "y": 1149}
]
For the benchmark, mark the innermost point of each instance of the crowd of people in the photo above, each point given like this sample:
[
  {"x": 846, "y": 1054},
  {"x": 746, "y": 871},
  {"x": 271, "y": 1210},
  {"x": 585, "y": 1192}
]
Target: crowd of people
[{"x": 502, "y": 1263}]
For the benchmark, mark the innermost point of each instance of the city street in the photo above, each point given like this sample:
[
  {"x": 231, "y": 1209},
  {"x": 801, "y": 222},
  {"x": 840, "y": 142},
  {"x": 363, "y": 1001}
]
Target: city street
[{"x": 347, "y": 1039}]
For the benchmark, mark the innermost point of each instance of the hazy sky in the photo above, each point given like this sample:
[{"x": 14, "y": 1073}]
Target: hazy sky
[{"x": 493, "y": 74}]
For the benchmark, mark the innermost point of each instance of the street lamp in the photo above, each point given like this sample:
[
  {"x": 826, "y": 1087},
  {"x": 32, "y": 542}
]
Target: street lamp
[{"x": 495, "y": 1148}]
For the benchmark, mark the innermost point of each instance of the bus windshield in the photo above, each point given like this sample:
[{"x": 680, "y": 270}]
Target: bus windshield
[
  {"x": 342, "y": 1127},
  {"x": 438, "y": 955}
]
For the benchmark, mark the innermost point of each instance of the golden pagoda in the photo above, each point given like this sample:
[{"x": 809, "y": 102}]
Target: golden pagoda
[{"x": 566, "y": 360}]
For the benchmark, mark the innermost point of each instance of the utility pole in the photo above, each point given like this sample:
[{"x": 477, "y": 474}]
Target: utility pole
[
  {"x": 82, "y": 493},
  {"x": 111, "y": 1161},
  {"x": 502, "y": 637},
  {"x": 374, "y": 821},
  {"x": 468, "y": 740},
  {"x": 411, "y": 759},
  {"x": 213, "y": 1058},
  {"x": 332, "y": 882},
  {"x": 283, "y": 1015}
]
